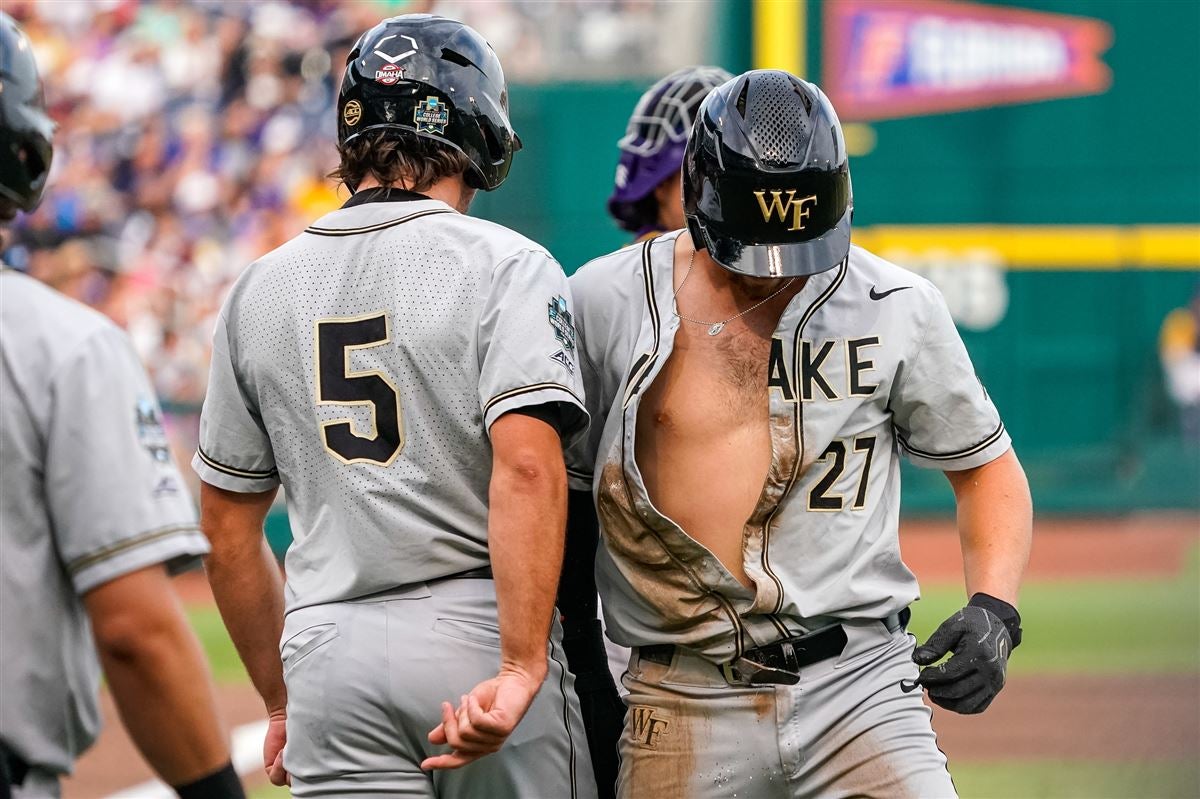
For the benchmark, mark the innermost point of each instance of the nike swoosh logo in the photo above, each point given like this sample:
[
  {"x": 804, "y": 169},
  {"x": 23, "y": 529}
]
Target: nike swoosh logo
[{"x": 880, "y": 295}]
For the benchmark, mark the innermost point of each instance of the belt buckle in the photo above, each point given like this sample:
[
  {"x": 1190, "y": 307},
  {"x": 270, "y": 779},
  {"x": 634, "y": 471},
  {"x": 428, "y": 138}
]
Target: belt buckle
[{"x": 748, "y": 671}]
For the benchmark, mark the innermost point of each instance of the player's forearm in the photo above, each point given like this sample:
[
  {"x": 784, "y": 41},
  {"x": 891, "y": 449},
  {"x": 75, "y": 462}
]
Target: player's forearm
[
  {"x": 995, "y": 525},
  {"x": 247, "y": 586},
  {"x": 526, "y": 524},
  {"x": 163, "y": 692}
]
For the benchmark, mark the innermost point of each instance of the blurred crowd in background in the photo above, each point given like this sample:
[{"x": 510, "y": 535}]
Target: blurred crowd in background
[{"x": 193, "y": 137}]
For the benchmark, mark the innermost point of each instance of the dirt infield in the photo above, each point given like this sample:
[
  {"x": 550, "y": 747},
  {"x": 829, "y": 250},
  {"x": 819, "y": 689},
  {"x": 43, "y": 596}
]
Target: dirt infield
[
  {"x": 1115, "y": 718},
  {"x": 1065, "y": 549}
]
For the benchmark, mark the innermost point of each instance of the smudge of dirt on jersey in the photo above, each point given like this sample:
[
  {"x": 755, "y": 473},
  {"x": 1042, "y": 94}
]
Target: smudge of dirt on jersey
[
  {"x": 646, "y": 562},
  {"x": 1076, "y": 717},
  {"x": 113, "y": 763},
  {"x": 1143, "y": 545}
]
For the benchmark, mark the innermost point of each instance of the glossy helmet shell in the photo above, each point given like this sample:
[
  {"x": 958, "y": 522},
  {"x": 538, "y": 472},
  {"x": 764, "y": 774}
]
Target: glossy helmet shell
[
  {"x": 433, "y": 77},
  {"x": 26, "y": 131},
  {"x": 766, "y": 178}
]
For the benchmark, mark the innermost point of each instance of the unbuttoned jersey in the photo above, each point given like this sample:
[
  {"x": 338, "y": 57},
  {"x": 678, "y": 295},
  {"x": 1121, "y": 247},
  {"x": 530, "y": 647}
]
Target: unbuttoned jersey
[
  {"x": 89, "y": 493},
  {"x": 361, "y": 364},
  {"x": 865, "y": 365}
]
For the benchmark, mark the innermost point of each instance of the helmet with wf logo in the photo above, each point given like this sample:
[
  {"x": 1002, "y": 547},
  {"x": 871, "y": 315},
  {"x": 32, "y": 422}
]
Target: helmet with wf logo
[{"x": 766, "y": 180}]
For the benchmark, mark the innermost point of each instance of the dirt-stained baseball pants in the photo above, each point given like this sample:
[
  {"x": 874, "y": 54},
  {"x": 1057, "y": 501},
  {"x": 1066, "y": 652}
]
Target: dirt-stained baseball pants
[
  {"x": 365, "y": 683},
  {"x": 846, "y": 730}
]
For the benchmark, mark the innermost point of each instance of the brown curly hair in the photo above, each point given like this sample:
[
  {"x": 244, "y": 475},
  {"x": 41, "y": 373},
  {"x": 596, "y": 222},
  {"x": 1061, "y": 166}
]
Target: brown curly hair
[{"x": 396, "y": 159}]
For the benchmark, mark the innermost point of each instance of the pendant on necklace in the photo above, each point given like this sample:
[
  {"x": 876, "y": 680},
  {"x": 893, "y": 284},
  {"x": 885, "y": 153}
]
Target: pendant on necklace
[{"x": 716, "y": 328}]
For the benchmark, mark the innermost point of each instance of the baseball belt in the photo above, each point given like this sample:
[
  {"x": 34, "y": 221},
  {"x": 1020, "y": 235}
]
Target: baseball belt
[{"x": 779, "y": 663}]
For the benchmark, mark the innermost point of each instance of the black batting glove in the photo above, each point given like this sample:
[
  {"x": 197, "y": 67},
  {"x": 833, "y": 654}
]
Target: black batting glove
[
  {"x": 981, "y": 637},
  {"x": 599, "y": 703}
]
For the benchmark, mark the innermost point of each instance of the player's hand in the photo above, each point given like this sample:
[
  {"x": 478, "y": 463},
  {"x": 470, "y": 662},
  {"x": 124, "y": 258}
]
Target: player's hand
[
  {"x": 273, "y": 748},
  {"x": 971, "y": 678},
  {"x": 599, "y": 702},
  {"x": 484, "y": 718}
]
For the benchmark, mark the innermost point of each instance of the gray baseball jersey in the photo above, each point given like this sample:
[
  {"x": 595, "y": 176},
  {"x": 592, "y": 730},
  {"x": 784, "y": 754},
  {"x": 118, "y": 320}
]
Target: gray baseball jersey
[
  {"x": 90, "y": 493},
  {"x": 361, "y": 365},
  {"x": 865, "y": 364}
]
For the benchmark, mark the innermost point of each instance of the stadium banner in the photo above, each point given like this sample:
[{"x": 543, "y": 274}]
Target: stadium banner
[{"x": 885, "y": 59}]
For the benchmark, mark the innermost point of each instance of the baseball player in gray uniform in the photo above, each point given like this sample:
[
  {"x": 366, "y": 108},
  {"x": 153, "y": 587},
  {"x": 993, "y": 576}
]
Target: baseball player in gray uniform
[
  {"x": 752, "y": 380},
  {"x": 409, "y": 375},
  {"x": 93, "y": 516}
]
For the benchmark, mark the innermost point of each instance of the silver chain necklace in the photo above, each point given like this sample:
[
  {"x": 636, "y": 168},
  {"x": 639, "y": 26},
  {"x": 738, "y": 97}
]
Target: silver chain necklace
[{"x": 715, "y": 328}]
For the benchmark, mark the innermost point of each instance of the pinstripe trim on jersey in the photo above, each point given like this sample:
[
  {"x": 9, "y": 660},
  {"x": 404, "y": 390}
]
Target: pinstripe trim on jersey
[
  {"x": 779, "y": 625},
  {"x": 111, "y": 551},
  {"x": 516, "y": 392},
  {"x": 992, "y": 438},
  {"x": 220, "y": 467},
  {"x": 562, "y": 687},
  {"x": 354, "y": 231},
  {"x": 645, "y": 363},
  {"x": 797, "y": 424}
]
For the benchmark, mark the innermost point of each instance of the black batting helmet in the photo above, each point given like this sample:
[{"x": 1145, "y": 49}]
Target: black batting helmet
[
  {"x": 429, "y": 76},
  {"x": 766, "y": 182},
  {"x": 25, "y": 129}
]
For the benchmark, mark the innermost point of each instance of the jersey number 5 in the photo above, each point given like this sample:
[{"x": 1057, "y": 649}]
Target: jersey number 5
[
  {"x": 338, "y": 385},
  {"x": 820, "y": 498}
]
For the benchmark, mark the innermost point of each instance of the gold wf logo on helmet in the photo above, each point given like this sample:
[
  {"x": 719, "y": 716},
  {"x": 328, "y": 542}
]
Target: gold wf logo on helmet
[{"x": 798, "y": 207}]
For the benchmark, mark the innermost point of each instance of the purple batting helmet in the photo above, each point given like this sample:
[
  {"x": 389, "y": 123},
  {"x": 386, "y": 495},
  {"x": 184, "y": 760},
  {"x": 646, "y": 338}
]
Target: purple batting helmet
[{"x": 655, "y": 138}]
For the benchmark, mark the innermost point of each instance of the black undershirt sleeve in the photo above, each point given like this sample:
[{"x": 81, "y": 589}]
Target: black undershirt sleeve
[{"x": 552, "y": 413}]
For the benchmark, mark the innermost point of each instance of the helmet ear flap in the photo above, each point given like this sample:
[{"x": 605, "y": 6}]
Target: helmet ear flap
[{"x": 26, "y": 131}]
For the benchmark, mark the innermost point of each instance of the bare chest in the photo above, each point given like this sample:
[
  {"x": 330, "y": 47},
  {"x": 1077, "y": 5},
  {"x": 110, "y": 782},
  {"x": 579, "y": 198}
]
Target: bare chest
[{"x": 711, "y": 380}]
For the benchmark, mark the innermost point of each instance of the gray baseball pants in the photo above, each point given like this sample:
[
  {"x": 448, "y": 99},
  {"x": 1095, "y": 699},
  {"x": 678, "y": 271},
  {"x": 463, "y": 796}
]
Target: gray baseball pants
[
  {"x": 365, "y": 683},
  {"x": 846, "y": 730}
]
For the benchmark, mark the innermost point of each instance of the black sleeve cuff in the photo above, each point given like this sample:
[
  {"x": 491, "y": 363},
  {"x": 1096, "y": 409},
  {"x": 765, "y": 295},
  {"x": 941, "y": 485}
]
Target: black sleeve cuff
[
  {"x": 552, "y": 413},
  {"x": 221, "y": 784},
  {"x": 1003, "y": 611}
]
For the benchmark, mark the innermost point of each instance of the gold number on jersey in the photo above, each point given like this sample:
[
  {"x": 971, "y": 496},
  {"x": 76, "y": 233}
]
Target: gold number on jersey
[
  {"x": 334, "y": 340},
  {"x": 819, "y": 498}
]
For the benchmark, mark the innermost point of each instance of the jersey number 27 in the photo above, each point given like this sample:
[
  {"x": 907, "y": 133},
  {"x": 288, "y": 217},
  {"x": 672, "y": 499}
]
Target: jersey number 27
[{"x": 821, "y": 498}]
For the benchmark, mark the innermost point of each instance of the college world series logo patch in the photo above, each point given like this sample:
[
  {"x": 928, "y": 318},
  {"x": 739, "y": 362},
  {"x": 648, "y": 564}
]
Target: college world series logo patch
[
  {"x": 431, "y": 116},
  {"x": 563, "y": 322},
  {"x": 150, "y": 432}
]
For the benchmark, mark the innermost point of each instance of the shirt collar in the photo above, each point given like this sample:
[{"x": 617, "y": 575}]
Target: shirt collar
[{"x": 383, "y": 194}]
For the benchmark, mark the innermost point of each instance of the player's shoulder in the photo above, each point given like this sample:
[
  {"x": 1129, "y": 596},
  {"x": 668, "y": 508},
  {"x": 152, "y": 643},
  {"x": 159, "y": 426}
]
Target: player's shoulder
[
  {"x": 46, "y": 324},
  {"x": 877, "y": 277},
  {"x": 493, "y": 242},
  {"x": 621, "y": 274}
]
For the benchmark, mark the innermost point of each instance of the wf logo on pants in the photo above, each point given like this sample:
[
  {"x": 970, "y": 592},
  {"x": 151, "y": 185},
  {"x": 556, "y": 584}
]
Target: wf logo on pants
[{"x": 647, "y": 727}]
